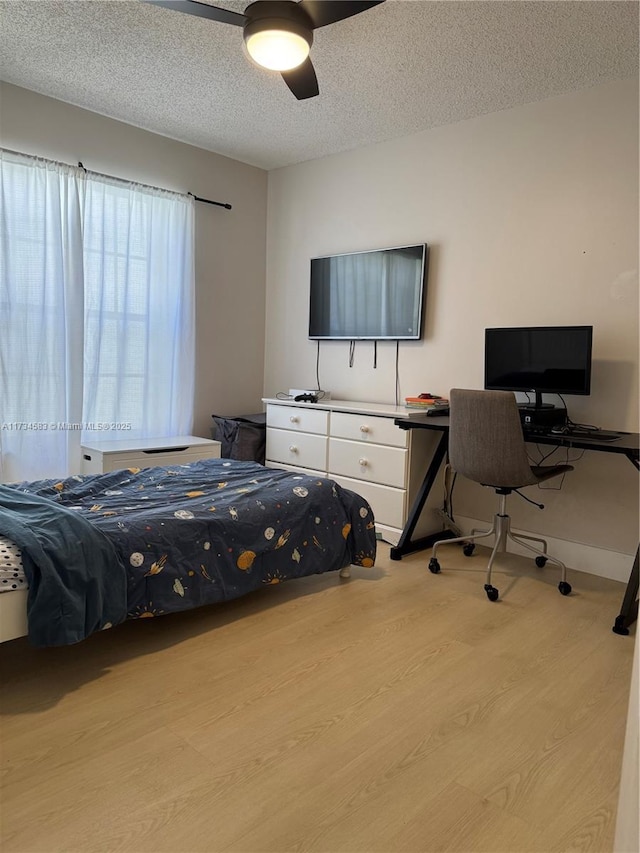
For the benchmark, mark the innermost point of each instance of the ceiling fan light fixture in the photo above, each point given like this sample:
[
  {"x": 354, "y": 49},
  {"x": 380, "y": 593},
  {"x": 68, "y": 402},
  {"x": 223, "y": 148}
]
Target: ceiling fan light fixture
[
  {"x": 278, "y": 44},
  {"x": 277, "y": 50}
]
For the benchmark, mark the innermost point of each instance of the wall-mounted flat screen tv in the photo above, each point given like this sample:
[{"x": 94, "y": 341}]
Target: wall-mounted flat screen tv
[{"x": 374, "y": 295}]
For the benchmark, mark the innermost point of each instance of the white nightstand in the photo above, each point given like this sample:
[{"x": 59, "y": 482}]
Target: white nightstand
[{"x": 101, "y": 456}]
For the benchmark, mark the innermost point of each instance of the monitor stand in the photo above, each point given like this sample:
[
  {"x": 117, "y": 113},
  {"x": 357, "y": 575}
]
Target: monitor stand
[{"x": 537, "y": 404}]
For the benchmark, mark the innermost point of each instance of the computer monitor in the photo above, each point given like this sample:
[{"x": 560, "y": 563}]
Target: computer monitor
[{"x": 539, "y": 359}]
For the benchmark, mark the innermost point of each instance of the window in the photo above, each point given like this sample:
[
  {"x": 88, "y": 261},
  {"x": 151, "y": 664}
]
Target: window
[{"x": 97, "y": 314}]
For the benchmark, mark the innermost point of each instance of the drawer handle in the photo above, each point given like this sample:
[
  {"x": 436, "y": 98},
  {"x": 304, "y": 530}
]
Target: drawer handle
[
  {"x": 293, "y": 448},
  {"x": 294, "y": 419},
  {"x": 363, "y": 462},
  {"x": 166, "y": 450},
  {"x": 364, "y": 428}
]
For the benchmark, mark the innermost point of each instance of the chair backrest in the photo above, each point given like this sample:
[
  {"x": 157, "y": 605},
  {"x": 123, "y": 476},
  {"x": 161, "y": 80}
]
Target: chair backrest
[{"x": 485, "y": 439}]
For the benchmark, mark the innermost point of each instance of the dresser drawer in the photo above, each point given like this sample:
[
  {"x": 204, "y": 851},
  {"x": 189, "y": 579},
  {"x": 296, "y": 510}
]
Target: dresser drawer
[
  {"x": 298, "y": 419},
  {"x": 374, "y": 463},
  {"x": 388, "y": 504},
  {"x": 369, "y": 428},
  {"x": 297, "y": 449}
]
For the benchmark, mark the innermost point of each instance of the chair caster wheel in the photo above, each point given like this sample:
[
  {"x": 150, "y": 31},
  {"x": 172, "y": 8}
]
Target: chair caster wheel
[
  {"x": 541, "y": 562},
  {"x": 434, "y": 566},
  {"x": 492, "y": 592},
  {"x": 564, "y": 587},
  {"x": 468, "y": 549}
]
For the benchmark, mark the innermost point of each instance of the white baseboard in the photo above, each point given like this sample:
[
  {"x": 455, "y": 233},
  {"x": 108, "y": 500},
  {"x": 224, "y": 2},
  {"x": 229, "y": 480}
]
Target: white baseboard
[{"x": 576, "y": 555}]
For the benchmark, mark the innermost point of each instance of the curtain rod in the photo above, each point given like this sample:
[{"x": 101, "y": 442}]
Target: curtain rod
[
  {"x": 208, "y": 201},
  {"x": 194, "y": 197},
  {"x": 111, "y": 177}
]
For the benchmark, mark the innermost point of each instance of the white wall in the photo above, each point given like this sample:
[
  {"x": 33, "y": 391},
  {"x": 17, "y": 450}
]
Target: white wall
[
  {"x": 230, "y": 245},
  {"x": 532, "y": 218}
]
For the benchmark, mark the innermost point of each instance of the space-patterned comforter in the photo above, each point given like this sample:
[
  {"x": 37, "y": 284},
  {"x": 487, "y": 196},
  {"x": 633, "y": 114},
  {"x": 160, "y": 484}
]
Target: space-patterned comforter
[{"x": 138, "y": 543}]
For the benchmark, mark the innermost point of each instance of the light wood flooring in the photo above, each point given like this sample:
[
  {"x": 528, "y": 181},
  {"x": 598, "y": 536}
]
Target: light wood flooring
[{"x": 396, "y": 711}]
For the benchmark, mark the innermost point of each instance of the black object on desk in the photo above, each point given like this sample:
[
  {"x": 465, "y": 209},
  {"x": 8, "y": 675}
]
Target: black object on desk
[
  {"x": 626, "y": 444},
  {"x": 577, "y": 432}
]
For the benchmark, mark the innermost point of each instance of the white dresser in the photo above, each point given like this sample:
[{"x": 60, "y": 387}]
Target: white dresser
[
  {"x": 101, "y": 456},
  {"x": 359, "y": 446}
]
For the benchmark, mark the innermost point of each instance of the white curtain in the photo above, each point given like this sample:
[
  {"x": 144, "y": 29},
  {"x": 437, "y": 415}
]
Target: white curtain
[
  {"x": 41, "y": 307},
  {"x": 139, "y": 311},
  {"x": 96, "y": 314}
]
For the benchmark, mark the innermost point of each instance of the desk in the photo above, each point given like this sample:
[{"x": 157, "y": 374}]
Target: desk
[{"x": 627, "y": 445}]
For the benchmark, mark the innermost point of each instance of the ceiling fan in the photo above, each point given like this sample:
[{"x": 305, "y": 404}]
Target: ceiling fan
[{"x": 279, "y": 33}]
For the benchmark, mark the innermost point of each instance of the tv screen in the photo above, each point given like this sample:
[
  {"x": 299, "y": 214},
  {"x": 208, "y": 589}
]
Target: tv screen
[
  {"x": 368, "y": 295},
  {"x": 544, "y": 359}
]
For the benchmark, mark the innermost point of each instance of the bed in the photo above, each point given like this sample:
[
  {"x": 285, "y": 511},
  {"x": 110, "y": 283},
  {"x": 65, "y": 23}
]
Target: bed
[{"x": 98, "y": 549}]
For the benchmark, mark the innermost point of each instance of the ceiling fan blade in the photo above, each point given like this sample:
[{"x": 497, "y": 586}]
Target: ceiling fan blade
[
  {"x": 302, "y": 80},
  {"x": 323, "y": 12},
  {"x": 202, "y": 10}
]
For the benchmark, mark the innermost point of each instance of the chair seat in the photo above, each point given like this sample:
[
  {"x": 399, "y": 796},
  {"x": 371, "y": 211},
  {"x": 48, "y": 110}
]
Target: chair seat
[
  {"x": 540, "y": 473},
  {"x": 545, "y": 472}
]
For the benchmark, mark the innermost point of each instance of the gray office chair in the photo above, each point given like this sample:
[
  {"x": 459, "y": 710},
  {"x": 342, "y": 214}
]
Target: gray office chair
[{"x": 486, "y": 444}]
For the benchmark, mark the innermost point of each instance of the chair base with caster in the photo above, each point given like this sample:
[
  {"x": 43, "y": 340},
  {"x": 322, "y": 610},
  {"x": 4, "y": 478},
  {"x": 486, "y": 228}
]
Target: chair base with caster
[{"x": 501, "y": 529}]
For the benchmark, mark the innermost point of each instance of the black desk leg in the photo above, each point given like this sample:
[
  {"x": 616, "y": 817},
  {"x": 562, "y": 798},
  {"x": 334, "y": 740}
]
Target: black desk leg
[
  {"x": 405, "y": 544},
  {"x": 629, "y": 610}
]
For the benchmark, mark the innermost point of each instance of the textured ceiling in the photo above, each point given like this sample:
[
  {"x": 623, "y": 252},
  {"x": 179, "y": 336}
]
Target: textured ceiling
[{"x": 398, "y": 68}]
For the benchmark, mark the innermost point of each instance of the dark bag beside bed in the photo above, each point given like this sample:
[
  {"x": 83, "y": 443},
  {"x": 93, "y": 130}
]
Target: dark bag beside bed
[{"x": 242, "y": 438}]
